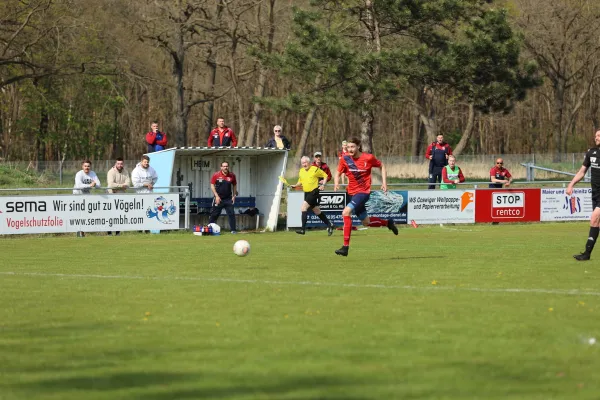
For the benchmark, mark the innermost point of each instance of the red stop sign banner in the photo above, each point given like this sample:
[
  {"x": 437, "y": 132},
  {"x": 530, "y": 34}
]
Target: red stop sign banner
[{"x": 507, "y": 205}]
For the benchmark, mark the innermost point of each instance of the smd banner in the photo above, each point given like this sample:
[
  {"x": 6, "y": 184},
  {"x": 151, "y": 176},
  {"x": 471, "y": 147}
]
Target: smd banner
[
  {"x": 88, "y": 213},
  {"x": 441, "y": 206},
  {"x": 557, "y": 206},
  {"x": 392, "y": 204}
]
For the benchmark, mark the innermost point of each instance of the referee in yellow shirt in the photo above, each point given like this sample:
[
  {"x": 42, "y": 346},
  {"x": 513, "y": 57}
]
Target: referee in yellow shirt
[{"x": 311, "y": 179}]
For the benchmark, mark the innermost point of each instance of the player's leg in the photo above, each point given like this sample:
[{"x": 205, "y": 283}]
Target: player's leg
[
  {"x": 304, "y": 208},
  {"x": 594, "y": 230},
  {"x": 215, "y": 212},
  {"x": 431, "y": 178},
  {"x": 228, "y": 205},
  {"x": 323, "y": 218},
  {"x": 357, "y": 202}
]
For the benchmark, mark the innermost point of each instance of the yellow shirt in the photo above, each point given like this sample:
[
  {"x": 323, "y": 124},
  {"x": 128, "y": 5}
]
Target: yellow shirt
[
  {"x": 279, "y": 142},
  {"x": 310, "y": 178}
]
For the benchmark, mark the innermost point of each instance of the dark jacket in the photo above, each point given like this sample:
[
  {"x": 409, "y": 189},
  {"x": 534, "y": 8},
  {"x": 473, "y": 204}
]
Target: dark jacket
[{"x": 273, "y": 144}]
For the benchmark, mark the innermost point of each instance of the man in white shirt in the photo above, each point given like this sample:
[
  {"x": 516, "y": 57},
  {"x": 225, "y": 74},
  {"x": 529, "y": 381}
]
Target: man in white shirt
[
  {"x": 144, "y": 176},
  {"x": 85, "y": 180}
]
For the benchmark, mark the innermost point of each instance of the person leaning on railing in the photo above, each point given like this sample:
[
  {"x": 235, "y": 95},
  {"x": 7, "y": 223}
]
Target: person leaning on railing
[
  {"x": 85, "y": 180},
  {"x": 117, "y": 180}
]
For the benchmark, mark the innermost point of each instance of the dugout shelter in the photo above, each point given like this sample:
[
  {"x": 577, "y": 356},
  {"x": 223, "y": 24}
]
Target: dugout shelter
[{"x": 256, "y": 169}]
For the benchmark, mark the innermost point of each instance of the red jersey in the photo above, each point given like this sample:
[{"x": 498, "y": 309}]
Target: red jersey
[
  {"x": 499, "y": 173},
  {"x": 358, "y": 171},
  {"x": 325, "y": 169},
  {"x": 224, "y": 184}
]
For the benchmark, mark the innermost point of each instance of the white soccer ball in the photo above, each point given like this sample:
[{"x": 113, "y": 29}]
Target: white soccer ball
[
  {"x": 216, "y": 229},
  {"x": 241, "y": 248}
]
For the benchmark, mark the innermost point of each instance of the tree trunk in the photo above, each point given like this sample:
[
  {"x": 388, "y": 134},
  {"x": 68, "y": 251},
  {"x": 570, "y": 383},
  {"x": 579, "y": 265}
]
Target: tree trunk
[
  {"x": 40, "y": 139},
  {"x": 241, "y": 132},
  {"x": 464, "y": 140},
  {"x": 259, "y": 90},
  {"x": 179, "y": 110},
  {"x": 559, "y": 106},
  {"x": 310, "y": 117},
  {"x": 373, "y": 41},
  {"x": 417, "y": 129}
]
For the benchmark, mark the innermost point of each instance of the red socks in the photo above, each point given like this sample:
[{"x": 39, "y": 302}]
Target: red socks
[
  {"x": 347, "y": 230},
  {"x": 377, "y": 222}
]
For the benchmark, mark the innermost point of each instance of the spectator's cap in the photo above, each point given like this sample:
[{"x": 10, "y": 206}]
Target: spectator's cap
[
  {"x": 344, "y": 142},
  {"x": 317, "y": 154}
]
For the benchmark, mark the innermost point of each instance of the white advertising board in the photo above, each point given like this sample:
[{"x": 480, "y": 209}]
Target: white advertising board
[
  {"x": 88, "y": 213},
  {"x": 441, "y": 206},
  {"x": 557, "y": 206}
]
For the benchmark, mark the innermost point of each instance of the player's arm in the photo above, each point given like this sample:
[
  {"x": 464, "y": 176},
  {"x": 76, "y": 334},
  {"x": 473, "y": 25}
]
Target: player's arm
[
  {"x": 323, "y": 175},
  {"x": 445, "y": 176},
  {"x": 383, "y": 178},
  {"x": 213, "y": 189},
  {"x": 234, "y": 192},
  {"x": 428, "y": 152},
  {"x": 97, "y": 181},
  {"x": 461, "y": 177},
  {"x": 579, "y": 176},
  {"x": 336, "y": 180}
]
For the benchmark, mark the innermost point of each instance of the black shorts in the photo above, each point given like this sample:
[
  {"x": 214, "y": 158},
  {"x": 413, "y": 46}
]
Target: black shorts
[
  {"x": 312, "y": 197},
  {"x": 595, "y": 200}
]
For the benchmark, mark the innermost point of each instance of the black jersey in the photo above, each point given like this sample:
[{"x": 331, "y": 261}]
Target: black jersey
[{"x": 592, "y": 161}]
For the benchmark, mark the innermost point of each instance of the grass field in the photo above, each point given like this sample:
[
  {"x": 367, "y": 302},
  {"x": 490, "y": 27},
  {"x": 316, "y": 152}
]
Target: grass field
[{"x": 452, "y": 312}]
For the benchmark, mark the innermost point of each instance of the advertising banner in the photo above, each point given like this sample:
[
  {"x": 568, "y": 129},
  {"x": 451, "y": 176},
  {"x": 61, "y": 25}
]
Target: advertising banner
[
  {"x": 88, "y": 213},
  {"x": 441, "y": 206},
  {"x": 390, "y": 205},
  {"x": 557, "y": 206},
  {"x": 507, "y": 205}
]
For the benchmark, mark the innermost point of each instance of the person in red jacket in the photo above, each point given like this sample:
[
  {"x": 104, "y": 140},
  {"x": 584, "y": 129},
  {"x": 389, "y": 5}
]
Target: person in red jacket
[
  {"x": 156, "y": 139},
  {"x": 222, "y": 136},
  {"x": 321, "y": 165},
  {"x": 437, "y": 154}
]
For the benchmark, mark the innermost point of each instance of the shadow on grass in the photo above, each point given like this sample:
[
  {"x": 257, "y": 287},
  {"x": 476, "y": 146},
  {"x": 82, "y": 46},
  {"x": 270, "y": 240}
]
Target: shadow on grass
[{"x": 168, "y": 385}]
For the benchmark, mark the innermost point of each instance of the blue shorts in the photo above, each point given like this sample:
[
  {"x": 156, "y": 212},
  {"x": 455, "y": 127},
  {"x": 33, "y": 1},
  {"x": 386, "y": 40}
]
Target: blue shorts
[{"x": 358, "y": 204}]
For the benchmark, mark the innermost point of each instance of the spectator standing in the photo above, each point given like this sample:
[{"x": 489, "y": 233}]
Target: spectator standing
[
  {"x": 278, "y": 141},
  {"x": 117, "y": 181},
  {"x": 499, "y": 175},
  {"x": 156, "y": 139},
  {"x": 85, "y": 180},
  {"x": 591, "y": 160},
  {"x": 144, "y": 177},
  {"x": 437, "y": 153},
  {"x": 310, "y": 178},
  {"x": 223, "y": 185},
  {"x": 222, "y": 136},
  {"x": 323, "y": 166},
  {"x": 451, "y": 174}
]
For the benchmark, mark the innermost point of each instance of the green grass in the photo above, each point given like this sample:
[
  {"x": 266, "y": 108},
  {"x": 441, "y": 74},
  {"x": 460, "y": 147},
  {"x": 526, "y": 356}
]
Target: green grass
[{"x": 453, "y": 312}]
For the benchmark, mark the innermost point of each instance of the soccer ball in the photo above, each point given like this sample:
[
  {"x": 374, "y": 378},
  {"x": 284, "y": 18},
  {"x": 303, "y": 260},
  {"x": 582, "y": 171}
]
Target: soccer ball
[{"x": 241, "y": 248}]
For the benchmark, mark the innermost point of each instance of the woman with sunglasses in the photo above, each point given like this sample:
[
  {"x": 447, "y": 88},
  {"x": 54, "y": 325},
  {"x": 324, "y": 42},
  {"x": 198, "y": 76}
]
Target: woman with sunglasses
[
  {"x": 500, "y": 175},
  {"x": 278, "y": 141}
]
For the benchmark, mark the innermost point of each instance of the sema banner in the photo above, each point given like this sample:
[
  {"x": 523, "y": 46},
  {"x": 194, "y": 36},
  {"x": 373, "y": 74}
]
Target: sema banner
[
  {"x": 557, "y": 206},
  {"x": 441, "y": 206},
  {"x": 88, "y": 213}
]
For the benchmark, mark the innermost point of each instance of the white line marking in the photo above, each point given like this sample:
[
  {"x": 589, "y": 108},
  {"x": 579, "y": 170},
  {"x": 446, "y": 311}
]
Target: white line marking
[{"x": 569, "y": 292}]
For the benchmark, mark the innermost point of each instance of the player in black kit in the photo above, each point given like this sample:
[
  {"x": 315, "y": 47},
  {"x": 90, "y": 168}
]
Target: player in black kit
[{"x": 591, "y": 160}]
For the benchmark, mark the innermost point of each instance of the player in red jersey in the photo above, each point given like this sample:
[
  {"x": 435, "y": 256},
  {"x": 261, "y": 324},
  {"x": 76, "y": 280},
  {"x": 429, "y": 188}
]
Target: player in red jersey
[{"x": 357, "y": 167}]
